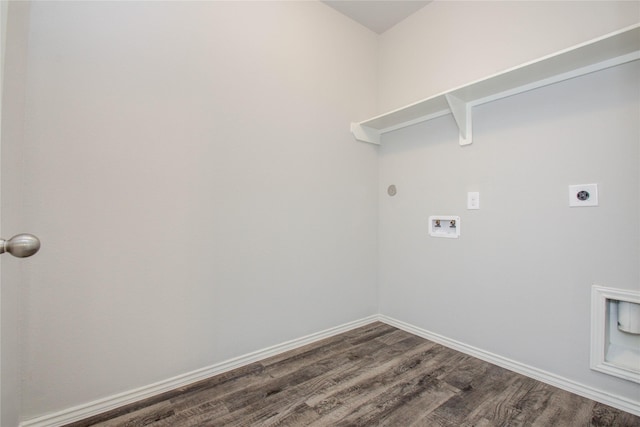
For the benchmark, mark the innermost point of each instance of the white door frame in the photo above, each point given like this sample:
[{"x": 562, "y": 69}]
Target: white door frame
[{"x": 4, "y": 6}]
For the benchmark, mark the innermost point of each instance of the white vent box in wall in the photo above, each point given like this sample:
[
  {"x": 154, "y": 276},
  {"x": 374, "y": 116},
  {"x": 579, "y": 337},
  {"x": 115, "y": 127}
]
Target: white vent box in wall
[
  {"x": 444, "y": 226},
  {"x": 615, "y": 332}
]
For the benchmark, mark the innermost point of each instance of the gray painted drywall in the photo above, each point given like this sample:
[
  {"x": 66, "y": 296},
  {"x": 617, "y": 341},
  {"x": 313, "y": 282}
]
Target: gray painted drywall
[
  {"x": 189, "y": 169},
  {"x": 517, "y": 282}
]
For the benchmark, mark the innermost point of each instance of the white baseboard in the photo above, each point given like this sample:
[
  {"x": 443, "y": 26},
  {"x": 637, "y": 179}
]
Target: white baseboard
[
  {"x": 619, "y": 402},
  {"x": 96, "y": 407}
]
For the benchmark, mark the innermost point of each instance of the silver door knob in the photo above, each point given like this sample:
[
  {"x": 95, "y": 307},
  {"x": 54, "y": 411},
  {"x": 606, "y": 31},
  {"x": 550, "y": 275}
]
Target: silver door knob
[{"x": 20, "y": 245}]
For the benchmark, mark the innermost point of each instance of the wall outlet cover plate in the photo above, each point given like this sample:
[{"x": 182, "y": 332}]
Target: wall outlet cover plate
[
  {"x": 583, "y": 195},
  {"x": 473, "y": 200}
]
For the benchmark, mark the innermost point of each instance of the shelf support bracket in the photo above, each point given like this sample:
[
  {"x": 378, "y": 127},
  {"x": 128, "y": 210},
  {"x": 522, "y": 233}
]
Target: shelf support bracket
[
  {"x": 365, "y": 134},
  {"x": 461, "y": 111}
]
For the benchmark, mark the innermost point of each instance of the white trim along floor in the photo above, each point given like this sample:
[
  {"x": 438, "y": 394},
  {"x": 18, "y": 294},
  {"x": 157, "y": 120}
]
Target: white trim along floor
[{"x": 89, "y": 409}]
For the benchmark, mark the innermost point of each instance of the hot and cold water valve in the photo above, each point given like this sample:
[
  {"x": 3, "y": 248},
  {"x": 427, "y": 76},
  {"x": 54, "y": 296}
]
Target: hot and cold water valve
[{"x": 444, "y": 226}]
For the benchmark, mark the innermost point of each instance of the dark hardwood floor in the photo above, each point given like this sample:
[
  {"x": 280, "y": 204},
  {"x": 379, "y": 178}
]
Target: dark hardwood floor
[{"x": 376, "y": 375}]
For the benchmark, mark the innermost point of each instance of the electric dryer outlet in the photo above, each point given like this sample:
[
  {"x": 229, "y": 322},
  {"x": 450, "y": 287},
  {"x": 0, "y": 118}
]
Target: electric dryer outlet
[{"x": 583, "y": 195}]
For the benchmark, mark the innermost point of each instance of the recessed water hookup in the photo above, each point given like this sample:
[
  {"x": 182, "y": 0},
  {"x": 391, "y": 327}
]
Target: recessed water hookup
[{"x": 444, "y": 226}]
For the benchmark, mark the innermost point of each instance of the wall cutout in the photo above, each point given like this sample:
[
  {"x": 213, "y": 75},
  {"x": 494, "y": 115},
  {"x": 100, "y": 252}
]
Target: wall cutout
[{"x": 615, "y": 347}]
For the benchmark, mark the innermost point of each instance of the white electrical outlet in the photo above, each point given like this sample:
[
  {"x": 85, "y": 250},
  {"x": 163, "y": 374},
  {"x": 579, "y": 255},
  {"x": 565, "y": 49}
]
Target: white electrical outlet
[
  {"x": 473, "y": 200},
  {"x": 583, "y": 195}
]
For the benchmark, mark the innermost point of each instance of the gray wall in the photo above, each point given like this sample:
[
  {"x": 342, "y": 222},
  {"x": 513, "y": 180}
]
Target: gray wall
[
  {"x": 189, "y": 169},
  {"x": 517, "y": 282}
]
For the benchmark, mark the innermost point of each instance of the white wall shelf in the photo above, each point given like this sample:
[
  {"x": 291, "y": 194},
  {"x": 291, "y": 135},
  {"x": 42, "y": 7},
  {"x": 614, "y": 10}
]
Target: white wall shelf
[{"x": 607, "y": 51}]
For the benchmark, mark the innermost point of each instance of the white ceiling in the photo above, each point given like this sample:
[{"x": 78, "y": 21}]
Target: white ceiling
[{"x": 377, "y": 15}]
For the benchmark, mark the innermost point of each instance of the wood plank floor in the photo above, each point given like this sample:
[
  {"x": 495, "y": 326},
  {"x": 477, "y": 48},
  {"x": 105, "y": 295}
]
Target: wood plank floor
[{"x": 376, "y": 375}]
